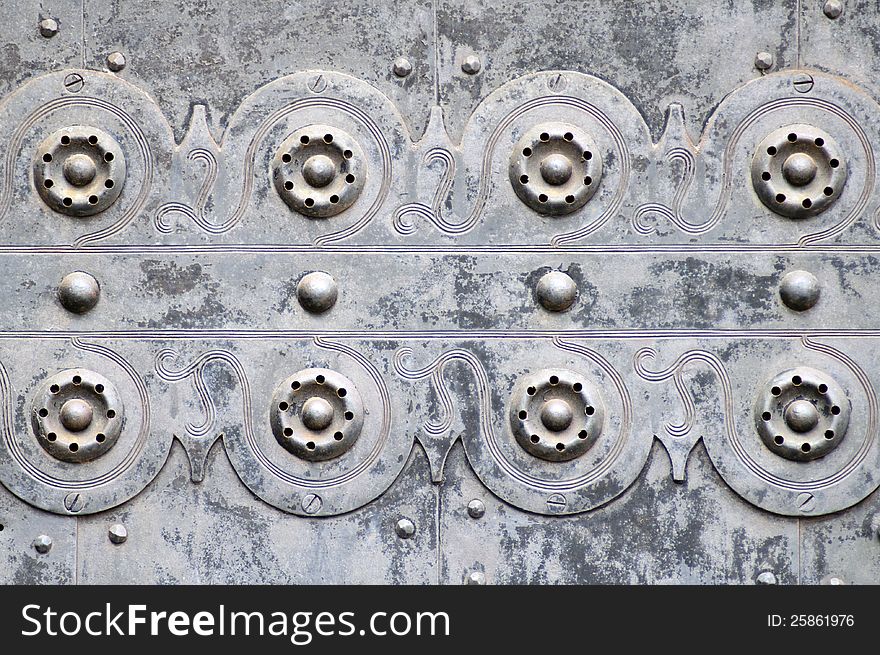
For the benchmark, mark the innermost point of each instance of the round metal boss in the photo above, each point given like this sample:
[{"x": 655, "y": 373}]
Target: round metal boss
[
  {"x": 555, "y": 168},
  {"x": 555, "y": 414},
  {"x": 79, "y": 170},
  {"x": 798, "y": 171},
  {"x": 317, "y": 414},
  {"x": 77, "y": 415},
  {"x": 802, "y": 414},
  {"x": 319, "y": 171}
]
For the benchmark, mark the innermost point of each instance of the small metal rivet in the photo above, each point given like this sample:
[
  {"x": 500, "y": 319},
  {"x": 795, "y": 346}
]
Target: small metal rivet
[
  {"x": 766, "y": 578},
  {"x": 43, "y": 544},
  {"x": 48, "y": 27},
  {"x": 116, "y": 61},
  {"x": 801, "y": 416},
  {"x": 556, "y": 415},
  {"x": 76, "y": 415},
  {"x": 475, "y": 578},
  {"x": 556, "y": 291},
  {"x": 402, "y": 67},
  {"x": 317, "y": 292},
  {"x": 471, "y": 65},
  {"x": 319, "y": 171},
  {"x": 833, "y": 8},
  {"x": 73, "y": 502},
  {"x": 763, "y": 60},
  {"x": 311, "y": 503},
  {"x": 803, "y": 83},
  {"x": 832, "y": 580},
  {"x": 799, "y": 290},
  {"x": 74, "y": 82},
  {"x": 79, "y": 292},
  {"x": 405, "y": 528},
  {"x": 318, "y": 84},
  {"x": 476, "y": 508},
  {"x": 117, "y": 533},
  {"x": 317, "y": 414}
]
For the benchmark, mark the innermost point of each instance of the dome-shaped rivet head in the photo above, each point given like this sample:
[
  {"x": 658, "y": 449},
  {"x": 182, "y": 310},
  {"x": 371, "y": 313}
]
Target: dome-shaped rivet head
[
  {"x": 117, "y": 533},
  {"x": 476, "y": 508},
  {"x": 405, "y": 528},
  {"x": 317, "y": 292},
  {"x": 471, "y": 65},
  {"x": 79, "y": 292},
  {"x": 48, "y": 27},
  {"x": 799, "y": 290},
  {"x": 766, "y": 578},
  {"x": 763, "y": 60},
  {"x": 76, "y": 415},
  {"x": 556, "y": 291},
  {"x": 833, "y": 9},
  {"x": 402, "y": 67},
  {"x": 43, "y": 544},
  {"x": 319, "y": 171},
  {"x": 801, "y": 416},
  {"x": 556, "y": 169},
  {"x": 317, "y": 414},
  {"x": 79, "y": 169},
  {"x": 475, "y": 578},
  {"x": 556, "y": 415},
  {"x": 799, "y": 169},
  {"x": 116, "y": 61}
]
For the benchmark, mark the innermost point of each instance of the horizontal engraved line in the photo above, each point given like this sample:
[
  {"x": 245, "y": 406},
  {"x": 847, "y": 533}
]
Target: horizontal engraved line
[
  {"x": 441, "y": 334},
  {"x": 270, "y": 249}
]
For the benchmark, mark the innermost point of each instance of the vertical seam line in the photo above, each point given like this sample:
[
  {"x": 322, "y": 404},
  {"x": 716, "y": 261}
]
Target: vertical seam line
[
  {"x": 83, "y": 33},
  {"x": 436, "y": 53}
]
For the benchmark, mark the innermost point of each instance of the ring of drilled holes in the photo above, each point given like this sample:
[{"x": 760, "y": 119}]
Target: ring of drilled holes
[
  {"x": 587, "y": 414},
  {"x": 342, "y": 432},
  {"x": 831, "y": 405},
  {"x": 289, "y": 171},
  {"x": 101, "y": 434},
  {"x": 92, "y": 147},
  {"x": 782, "y": 196},
  {"x": 548, "y": 140}
]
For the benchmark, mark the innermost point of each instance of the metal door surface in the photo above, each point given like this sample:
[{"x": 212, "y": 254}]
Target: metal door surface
[{"x": 436, "y": 291}]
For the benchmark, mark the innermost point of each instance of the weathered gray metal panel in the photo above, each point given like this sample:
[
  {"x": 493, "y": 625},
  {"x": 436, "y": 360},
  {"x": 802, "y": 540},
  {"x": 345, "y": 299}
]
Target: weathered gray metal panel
[
  {"x": 439, "y": 291},
  {"x": 219, "y": 52},
  {"x": 656, "y": 533},
  {"x": 219, "y": 532}
]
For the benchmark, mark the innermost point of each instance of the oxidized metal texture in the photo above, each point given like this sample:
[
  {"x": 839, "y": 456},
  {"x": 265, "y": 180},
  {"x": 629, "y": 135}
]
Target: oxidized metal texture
[{"x": 420, "y": 299}]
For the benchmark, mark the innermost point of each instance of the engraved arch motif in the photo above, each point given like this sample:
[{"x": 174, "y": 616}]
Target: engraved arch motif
[
  {"x": 140, "y": 138},
  {"x": 759, "y": 478},
  {"x": 271, "y": 481},
  {"x": 99, "y": 487},
  {"x": 257, "y": 141},
  {"x": 467, "y": 223},
  {"x": 536, "y": 491}
]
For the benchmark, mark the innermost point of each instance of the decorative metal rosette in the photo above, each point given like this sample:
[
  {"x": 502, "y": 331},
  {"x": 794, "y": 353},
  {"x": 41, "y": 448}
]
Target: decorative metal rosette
[
  {"x": 555, "y": 168},
  {"x": 319, "y": 171},
  {"x": 556, "y": 414},
  {"x": 79, "y": 170},
  {"x": 317, "y": 414},
  {"x": 77, "y": 415},
  {"x": 802, "y": 414},
  {"x": 798, "y": 171}
]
